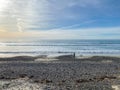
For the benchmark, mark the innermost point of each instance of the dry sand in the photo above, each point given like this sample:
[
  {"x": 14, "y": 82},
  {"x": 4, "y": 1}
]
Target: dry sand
[{"x": 60, "y": 73}]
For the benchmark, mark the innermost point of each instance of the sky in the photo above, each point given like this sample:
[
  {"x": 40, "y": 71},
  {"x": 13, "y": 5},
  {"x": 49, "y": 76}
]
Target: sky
[{"x": 60, "y": 19}]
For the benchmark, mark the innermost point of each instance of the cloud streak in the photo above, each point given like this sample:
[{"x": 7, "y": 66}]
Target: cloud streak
[
  {"x": 90, "y": 33},
  {"x": 68, "y": 19},
  {"x": 19, "y": 25},
  {"x": 40, "y": 13}
]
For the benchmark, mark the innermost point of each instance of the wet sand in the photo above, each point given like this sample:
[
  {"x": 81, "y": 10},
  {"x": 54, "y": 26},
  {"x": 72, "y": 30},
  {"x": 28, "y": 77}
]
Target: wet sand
[{"x": 60, "y": 73}]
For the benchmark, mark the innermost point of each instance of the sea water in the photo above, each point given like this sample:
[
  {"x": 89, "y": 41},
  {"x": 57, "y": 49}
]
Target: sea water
[{"x": 51, "y": 47}]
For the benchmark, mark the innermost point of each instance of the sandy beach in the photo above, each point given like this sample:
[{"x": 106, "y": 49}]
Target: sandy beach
[{"x": 60, "y": 73}]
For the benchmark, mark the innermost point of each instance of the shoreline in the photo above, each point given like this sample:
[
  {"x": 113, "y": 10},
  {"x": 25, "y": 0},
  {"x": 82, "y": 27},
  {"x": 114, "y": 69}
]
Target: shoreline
[
  {"x": 61, "y": 72},
  {"x": 58, "y": 54}
]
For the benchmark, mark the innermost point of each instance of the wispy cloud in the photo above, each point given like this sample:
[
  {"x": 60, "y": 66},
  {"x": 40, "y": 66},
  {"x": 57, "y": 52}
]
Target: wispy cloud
[
  {"x": 90, "y": 33},
  {"x": 74, "y": 26},
  {"x": 22, "y": 14},
  {"x": 60, "y": 18},
  {"x": 20, "y": 25},
  {"x": 43, "y": 14}
]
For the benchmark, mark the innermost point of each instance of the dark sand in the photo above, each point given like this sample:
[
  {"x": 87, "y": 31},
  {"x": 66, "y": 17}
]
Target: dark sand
[{"x": 60, "y": 73}]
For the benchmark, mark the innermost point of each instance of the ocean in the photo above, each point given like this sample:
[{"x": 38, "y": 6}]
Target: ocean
[{"x": 53, "y": 47}]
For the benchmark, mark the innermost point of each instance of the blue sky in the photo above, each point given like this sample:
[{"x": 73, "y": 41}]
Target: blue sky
[
  {"x": 60, "y": 19},
  {"x": 79, "y": 14}
]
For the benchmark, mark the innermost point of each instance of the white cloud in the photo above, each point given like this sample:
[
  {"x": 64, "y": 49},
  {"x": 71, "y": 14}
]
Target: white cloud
[
  {"x": 21, "y": 15},
  {"x": 91, "y": 33},
  {"x": 20, "y": 25}
]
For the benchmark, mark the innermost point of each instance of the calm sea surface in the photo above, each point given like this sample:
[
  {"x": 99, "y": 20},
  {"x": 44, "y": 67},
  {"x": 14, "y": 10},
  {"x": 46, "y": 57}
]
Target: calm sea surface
[{"x": 42, "y": 47}]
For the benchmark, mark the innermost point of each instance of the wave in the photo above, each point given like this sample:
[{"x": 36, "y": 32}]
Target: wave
[
  {"x": 87, "y": 51},
  {"x": 62, "y": 46}
]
